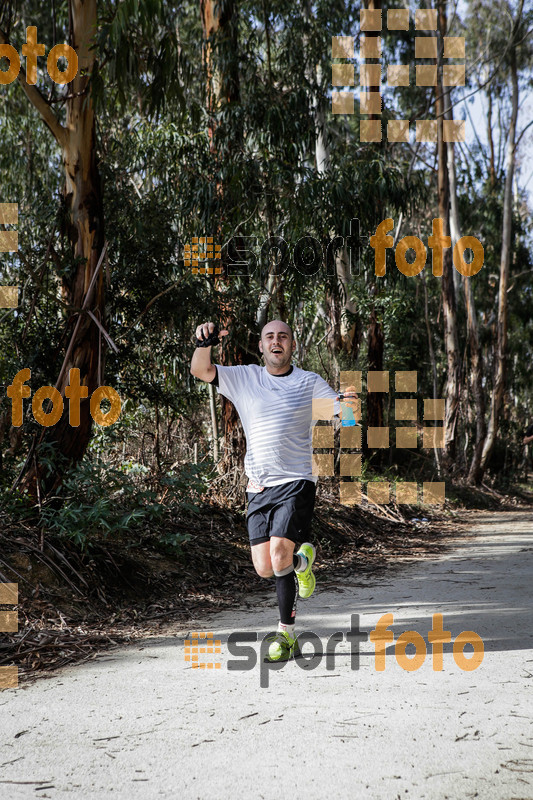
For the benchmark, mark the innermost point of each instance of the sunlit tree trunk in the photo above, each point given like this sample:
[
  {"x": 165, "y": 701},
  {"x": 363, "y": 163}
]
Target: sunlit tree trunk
[
  {"x": 492, "y": 171},
  {"x": 448, "y": 290},
  {"x": 500, "y": 361},
  {"x": 475, "y": 370},
  {"x": 85, "y": 230},
  {"x": 341, "y": 333}
]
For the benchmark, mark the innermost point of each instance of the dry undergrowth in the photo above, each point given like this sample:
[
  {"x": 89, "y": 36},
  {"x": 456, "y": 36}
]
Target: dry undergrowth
[{"x": 72, "y": 606}]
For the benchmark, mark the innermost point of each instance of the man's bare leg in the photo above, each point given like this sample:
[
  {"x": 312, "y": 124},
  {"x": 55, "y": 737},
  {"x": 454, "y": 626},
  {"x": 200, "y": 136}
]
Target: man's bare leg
[
  {"x": 276, "y": 557},
  {"x": 273, "y": 556},
  {"x": 261, "y": 559}
]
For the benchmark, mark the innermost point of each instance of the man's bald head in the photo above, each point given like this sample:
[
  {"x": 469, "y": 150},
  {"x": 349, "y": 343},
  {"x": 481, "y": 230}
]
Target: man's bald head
[
  {"x": 277, "y": 346},
  {"x": 276, "y": 325}
]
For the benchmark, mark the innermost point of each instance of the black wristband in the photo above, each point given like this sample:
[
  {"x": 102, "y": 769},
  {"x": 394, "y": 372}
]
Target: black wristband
[{"x": 211, "y": 340}]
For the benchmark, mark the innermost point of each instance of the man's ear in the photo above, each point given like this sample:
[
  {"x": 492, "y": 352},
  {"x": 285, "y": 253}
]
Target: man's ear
[
  {"x": 260, "y": 346},
  {"x": 293, "y": 345}
]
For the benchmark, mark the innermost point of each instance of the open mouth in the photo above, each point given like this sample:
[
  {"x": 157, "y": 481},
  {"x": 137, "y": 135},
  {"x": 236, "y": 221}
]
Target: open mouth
[{"x": 277, "y": 350}]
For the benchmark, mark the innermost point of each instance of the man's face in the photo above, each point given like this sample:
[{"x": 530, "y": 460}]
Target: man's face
[{"x": 277, "y": 345}]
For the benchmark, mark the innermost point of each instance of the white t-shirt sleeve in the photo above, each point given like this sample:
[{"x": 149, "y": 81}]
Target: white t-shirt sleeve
[
  {"x": 323, "y": 389},
  {"x": 232, "y": 381}
]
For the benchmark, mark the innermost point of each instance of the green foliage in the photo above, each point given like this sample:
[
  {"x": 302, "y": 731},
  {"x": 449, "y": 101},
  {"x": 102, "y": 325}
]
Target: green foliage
[
  {"x": 98, "y": 501},
  {"x": 172, "y": 168}
]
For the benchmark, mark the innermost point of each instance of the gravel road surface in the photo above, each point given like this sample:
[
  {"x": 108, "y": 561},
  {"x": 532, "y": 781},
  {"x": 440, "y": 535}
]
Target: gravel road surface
[{"x": 140, "y": 722}]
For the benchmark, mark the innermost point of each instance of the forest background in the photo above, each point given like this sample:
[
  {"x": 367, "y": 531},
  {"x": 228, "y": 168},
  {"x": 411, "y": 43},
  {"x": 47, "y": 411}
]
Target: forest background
[{"x": 215, "y": 119}]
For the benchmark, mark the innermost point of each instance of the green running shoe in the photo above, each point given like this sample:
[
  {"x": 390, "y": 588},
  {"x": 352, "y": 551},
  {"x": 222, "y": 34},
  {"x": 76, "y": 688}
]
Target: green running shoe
[
  {"x": 306, "y": 579},
  {"x": 282, "y": 647}
]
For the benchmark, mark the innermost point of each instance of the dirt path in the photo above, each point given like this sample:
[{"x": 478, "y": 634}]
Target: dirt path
[{"x": 141, "y": 723}]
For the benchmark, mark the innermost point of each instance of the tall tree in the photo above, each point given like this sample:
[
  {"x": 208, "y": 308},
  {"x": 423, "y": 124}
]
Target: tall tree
[
  {"x": 76, "y": 138},
  {"x": 219, "y": 25},
  {"x": 517, "y": 37},
  {"x": 475, "y": 370},
  {"x": 448, "y": 291}
]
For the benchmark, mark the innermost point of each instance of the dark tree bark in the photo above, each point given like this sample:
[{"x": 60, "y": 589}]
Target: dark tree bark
[
  {"x": 376, "y": 342},
  {"x": 373, "y": 5}
]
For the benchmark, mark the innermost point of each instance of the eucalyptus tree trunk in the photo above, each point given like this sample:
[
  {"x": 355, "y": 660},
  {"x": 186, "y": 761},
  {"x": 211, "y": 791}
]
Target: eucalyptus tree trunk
[
  {"x": 374, "y": 400},
  {"x": 475, "y": 371},
  {"x": 341, "y": 333},
  {"x": 85, "y": 231},
  {"x": 222, "y": 87},
  {"x": 373, "y": 5},
  {"x": 500, "y": 360},
  {"x": 447, "y": 286},
  {"x": 492, "y": 170},
  {"x": 375, "y": 335}
]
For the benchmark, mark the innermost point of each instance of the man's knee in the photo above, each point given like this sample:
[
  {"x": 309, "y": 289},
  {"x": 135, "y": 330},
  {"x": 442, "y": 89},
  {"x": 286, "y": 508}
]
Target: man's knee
[
  {"x": 261, "y": 560},
  {"x": 264, "y": 571},
  {"x": 281, "y": 551}
]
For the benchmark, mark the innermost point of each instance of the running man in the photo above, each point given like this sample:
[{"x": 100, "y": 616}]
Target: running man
[{"x": 274, "y": 403}]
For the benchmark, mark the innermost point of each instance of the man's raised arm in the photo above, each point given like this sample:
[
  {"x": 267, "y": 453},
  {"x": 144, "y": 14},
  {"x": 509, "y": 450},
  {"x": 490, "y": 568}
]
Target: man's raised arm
[{"x": 201, "y": 364}]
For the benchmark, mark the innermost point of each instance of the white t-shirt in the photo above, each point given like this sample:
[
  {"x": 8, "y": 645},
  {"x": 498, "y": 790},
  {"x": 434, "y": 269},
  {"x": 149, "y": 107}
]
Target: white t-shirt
[{"x": 276, "y": 414}]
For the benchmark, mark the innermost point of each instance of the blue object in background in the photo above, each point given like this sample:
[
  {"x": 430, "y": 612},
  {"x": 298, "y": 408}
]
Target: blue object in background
[{"x": 347, "y": 417}]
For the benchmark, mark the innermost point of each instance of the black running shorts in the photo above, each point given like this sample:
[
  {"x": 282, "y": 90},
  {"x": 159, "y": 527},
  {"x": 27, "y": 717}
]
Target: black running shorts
[{"x": 285, "y": 511}]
